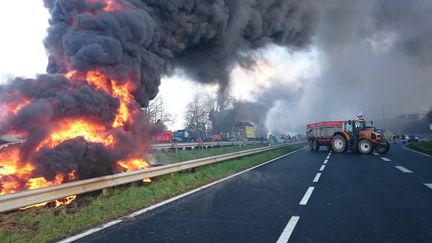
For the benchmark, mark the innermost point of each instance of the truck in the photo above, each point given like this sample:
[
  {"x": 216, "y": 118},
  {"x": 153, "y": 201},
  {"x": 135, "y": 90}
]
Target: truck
[
  {"x": 243, "y": 131},
  {"x": 341, "y": 136},
  {"x": 189, "y": 136}
]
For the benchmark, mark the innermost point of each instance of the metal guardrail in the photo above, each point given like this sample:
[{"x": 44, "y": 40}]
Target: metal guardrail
[
  {"x": 174, "y": 146},
  {"x": 25, "y": 198}
]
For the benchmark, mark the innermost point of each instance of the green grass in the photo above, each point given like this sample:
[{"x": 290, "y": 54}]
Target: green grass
[
  {"x": 422, "y": 146},
  {"x": 184, "y": 155},
  {"x": 43, "y": 224}
]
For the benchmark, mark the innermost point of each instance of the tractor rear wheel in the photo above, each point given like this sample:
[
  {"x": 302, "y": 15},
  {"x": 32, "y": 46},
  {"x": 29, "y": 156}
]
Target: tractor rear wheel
[
  {"x": 339, "y": 144},
  {"x": 382, "y": 147},
  {"x": 365, "y": 146}
]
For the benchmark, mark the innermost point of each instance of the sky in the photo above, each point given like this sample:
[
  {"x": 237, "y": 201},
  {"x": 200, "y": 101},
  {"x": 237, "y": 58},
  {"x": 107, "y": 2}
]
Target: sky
[{"x": 363, "y": 57}]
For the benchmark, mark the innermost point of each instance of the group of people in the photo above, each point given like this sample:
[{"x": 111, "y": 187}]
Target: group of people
[{"x": 398, "y": 137}]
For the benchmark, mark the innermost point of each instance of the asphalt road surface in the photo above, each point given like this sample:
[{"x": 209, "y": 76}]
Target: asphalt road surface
[{"x": 305, "y": 197}]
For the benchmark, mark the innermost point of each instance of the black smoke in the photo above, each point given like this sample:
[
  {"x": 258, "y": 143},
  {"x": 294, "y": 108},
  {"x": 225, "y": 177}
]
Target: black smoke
[
  {"x": 145, "y": 39},
  {"x": 135, "y": 41}
]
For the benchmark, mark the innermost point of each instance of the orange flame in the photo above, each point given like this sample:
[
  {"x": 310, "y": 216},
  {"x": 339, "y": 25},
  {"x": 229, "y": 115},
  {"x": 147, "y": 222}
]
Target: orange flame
[
  {"x": 133, "y": 164},
  {"x": 70, "y": 129}
]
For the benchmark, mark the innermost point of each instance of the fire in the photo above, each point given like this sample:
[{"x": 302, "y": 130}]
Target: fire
[
  {"x": 10, "y": 167},
  {"x": 18, "y": 172},
  {"x": 58, "y": 203},
  {"x": 38, "y": 182},
  {"x": 12, "y": 108},
  {"x": 70, "y": 129},
  {"x": 133, "y": 164},
  {"x": 122, "y": 92},
  {"x": 98, "y": 80}
]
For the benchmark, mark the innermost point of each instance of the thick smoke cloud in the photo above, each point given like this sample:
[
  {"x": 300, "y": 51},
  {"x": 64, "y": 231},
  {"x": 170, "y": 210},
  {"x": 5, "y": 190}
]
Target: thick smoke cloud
[
  {"x": 375, "y": 56},
  {"x": 133, "y": 42},
  {"x": 149, "y": 37}
]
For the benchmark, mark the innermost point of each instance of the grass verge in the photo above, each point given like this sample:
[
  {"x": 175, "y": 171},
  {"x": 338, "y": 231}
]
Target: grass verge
[
  {"x": 184, "y": 155},
  {"x": 43, "y": 224},
  {"x": 422, "y": 146}
]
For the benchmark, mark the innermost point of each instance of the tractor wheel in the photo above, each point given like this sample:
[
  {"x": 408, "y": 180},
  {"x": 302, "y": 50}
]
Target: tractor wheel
[
  {"x": 315, "y": 145},
  {"x": 339, "y": 144},
  {"x": 382, "y": 147},
  {"x": 365, "y": 146}
]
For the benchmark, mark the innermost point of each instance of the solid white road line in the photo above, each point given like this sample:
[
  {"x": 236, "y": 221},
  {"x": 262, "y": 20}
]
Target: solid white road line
[
  {"x": 325, "y": 161},
  {"x": 385, "y": 159},
  {"x": 144, "y": 210},
  {"x": 289, "y": 228},
  {"x": 415, "y": 151},
  {"x": 322, "y": 167},
  {"x": 375, "y": 153},
  {"x": 316, "y": 177},
  {"x": 307, "y": 195},
  {"x": 428, "y": 185},
  {"x": 403, "y": 169}
]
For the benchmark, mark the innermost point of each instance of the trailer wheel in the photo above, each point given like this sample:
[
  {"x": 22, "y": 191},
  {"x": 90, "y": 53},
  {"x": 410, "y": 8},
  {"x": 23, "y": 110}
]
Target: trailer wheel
[
  {"x": 365, "y": 146},
  {"x": 311, "y": 146},
  {"x": 339, "y": 144},
  {"x": 382, "y": 147},
  {"x": 329, "y": 148}
]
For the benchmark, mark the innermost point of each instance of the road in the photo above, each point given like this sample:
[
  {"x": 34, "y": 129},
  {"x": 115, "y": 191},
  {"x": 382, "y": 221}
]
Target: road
[{"x": 305, "y": 197}]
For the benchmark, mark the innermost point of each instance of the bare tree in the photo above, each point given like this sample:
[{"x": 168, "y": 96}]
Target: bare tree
[
  {"x": 197, "y": 113},
  {"x": 157, "y": 114}
]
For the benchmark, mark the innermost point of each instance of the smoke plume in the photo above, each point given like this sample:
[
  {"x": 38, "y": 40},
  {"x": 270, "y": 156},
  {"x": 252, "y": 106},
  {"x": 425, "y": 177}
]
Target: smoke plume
[
  {"x": 106, "y": 58},
  {"x": 375, "y": 57},
  {"x": 149, "y": 37}
]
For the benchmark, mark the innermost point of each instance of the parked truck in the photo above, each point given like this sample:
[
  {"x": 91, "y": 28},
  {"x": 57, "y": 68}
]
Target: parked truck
[
  {"x": 243, "y": 131},
  {"x": 341, "y": 136}
]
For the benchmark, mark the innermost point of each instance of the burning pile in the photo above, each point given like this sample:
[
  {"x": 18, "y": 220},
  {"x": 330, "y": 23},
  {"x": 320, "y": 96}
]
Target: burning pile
[{"x": 106, "y": 58}]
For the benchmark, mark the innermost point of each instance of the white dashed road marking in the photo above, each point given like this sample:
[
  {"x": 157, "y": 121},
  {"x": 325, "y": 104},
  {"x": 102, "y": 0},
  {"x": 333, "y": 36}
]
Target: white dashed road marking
[
  {"x": 316, "y": 177},
  {"x": 428, "y": 185},
  {"x": 328, "y": 157},
  {"x": 286, "y": 233},
  {"x": 325, "y": 161},
  {"x": 403, "y": 169},
  {"x": 307, "y": 195},
  {"x": 322, "y": 167},
  {"x": 385, "y": 159},
  {"x": 375, "y": 153}
]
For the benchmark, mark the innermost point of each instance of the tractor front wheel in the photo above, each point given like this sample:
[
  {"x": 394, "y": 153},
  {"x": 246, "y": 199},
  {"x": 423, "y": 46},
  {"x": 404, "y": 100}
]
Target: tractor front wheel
[
  {"x": 365, "y": 146},
  {"x": 382, "y": 147}
]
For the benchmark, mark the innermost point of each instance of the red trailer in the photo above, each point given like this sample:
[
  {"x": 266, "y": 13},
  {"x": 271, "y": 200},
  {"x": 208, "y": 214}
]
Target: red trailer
[{"x": 165, "y": 137}]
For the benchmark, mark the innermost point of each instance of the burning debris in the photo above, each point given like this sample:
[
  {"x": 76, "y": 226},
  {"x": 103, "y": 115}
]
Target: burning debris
[{"x": 106, "y": 58}]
